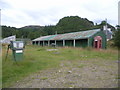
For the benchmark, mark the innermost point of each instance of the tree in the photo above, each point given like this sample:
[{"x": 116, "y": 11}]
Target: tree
[
  {"x": 117, "y": 38},
  {"x": 73, "y": 24},
  {"x": 65, "y": 25},
  {"x": 49, "y": 30}
]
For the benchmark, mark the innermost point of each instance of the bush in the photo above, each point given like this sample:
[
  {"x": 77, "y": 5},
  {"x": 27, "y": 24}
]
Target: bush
[
  {"x": 117, "y": 38},
  {"x": 110, "y": 43}
]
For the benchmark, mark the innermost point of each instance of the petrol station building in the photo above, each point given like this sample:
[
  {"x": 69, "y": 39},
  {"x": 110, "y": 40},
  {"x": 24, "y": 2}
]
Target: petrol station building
[{"x": 95, "y": 38}]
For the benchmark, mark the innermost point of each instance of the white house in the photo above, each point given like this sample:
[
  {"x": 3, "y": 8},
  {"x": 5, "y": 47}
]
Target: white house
[{"x": 8, "y": 39}]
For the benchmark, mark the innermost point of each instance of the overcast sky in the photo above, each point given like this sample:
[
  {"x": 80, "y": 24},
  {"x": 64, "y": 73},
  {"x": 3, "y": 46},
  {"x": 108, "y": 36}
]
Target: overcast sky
[{"x": 19, "y": 13}]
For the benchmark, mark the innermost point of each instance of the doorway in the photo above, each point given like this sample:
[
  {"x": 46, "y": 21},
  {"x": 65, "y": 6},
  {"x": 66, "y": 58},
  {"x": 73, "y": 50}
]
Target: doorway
[{"x": 98, "y": 42}]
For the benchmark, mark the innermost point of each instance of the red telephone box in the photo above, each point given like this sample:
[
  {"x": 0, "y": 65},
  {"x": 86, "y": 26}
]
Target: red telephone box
[{"x": 98, "y": 42}]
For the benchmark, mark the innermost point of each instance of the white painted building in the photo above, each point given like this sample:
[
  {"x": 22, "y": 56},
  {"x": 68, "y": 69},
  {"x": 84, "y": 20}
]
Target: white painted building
[
  {"x": 8, "y": 39},
  {"x": 107, "y": 32}
]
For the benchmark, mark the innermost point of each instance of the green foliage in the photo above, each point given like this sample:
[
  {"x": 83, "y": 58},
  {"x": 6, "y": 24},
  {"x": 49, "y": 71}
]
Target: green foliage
[
  {"x": 72, "y": 24},
  {"x": 65, "y": 25},
  {"x": 117, "y": 38},
  {"x": 100, "y": 26},
  {"x": 8, "y": 31},
  {"x": 25, "y": 32},
  {"x": 50, "y": 30}
]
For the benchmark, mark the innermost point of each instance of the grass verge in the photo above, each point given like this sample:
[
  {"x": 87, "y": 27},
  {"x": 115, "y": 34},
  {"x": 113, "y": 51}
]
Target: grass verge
[{"x": 37, "y": 58}]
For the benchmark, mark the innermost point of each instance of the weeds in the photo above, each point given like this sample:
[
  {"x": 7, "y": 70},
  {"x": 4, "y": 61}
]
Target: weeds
[
  {"x": 43, "y": 78},
  {"x": 81, "y": 65},
  {"x": 36, "y": 58}
]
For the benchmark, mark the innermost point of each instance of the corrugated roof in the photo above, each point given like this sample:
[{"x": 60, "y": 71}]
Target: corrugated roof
[{"x": 69, "y": 36}]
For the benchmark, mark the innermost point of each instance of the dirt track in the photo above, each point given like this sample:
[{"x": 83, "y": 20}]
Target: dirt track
[{"x": 75, "y": 74}]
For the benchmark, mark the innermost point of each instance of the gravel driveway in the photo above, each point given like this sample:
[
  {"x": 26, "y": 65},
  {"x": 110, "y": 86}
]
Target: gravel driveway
[{"x": 74, "y": 74}]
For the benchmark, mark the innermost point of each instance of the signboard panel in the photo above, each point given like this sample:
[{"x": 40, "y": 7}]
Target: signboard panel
[
  {"x": 19, "y": 51},
  {"x": 21, "y": 45}
]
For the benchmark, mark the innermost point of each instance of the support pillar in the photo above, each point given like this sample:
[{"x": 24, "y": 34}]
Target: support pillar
[
  {"x": 39, "y": 43},
  {"x": 88, "y": 42},
  {"x": 43, "y": 43},
  {"x": 55, "y": 42},
  {"x": 74, "y": 42},
  {"x": 48, "y": 43},
  {"x": 63, "y": 43}
]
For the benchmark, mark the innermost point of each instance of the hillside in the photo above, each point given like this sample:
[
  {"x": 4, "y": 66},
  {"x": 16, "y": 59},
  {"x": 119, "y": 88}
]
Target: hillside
[
  {"x": 32, "y": 27},
  {"x": 65, "y": 25},
  {"x": 73, "y": 23},
  {"x": 25, "y": 32}
]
